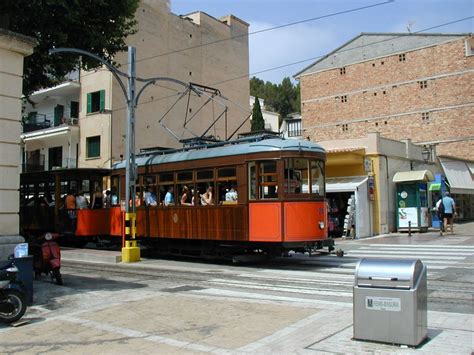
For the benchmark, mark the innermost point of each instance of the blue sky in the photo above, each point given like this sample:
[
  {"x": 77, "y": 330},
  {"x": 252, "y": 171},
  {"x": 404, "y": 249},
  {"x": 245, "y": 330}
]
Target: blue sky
[{"x": 316, "y": 38}]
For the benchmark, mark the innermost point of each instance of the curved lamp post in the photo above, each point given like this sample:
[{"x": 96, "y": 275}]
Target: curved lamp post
[{"x": 131, "y": 97}]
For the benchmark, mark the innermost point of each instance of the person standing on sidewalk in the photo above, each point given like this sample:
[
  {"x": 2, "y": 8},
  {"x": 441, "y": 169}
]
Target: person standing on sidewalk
[{"x": 449, "y": 211}]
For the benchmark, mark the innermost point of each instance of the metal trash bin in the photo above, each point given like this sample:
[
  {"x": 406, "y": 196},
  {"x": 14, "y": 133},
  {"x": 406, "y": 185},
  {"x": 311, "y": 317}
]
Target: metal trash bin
[{"x": 390, "y": 301}]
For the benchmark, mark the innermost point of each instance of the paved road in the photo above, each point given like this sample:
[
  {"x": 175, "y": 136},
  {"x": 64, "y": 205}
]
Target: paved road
[{"x": 299, "y": 304}]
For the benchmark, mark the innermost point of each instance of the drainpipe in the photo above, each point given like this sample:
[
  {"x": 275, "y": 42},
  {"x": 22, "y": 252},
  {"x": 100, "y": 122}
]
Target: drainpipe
[{"x": 69, "y": 148}]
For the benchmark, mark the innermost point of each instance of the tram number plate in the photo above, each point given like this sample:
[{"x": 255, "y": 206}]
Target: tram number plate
[{"x": 383, "y": 304}]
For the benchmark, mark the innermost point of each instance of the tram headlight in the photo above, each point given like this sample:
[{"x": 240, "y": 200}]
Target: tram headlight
[{"x": 321, "y": 225}]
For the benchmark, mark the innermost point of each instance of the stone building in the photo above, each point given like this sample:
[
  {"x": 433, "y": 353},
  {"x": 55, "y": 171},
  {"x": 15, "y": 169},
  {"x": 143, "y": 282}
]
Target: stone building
[
  {"x": 13, "y": 48},
  {"x": 81, "y": 123},
  {"x": 404, "y": 86}
]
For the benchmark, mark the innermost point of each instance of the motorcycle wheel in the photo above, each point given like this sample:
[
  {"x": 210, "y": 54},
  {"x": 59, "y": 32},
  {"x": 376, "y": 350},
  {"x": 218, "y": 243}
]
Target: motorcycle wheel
[
  {"x": 17, "y": 298},
  {"x": 57, "y": 276}
]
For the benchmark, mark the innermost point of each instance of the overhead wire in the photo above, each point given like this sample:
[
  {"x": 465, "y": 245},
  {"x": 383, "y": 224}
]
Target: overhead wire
[
  {"x": 267, "y": 30},
  {"x": 325, "y": 55},
  {"x": 259, "y": 31}
]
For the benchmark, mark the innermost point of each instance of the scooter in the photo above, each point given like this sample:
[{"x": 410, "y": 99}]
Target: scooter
[
  {"x": 12, "y": 298},
  {"x": 47, "y": 258}
]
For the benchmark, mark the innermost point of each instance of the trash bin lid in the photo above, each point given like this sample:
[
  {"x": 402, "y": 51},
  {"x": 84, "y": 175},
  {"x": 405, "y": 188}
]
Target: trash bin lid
[{"x": 388, "y": 273}]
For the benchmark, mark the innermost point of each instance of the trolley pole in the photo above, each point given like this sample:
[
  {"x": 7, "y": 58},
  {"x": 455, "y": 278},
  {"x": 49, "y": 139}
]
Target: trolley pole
[{"x": 131, "y": 251}]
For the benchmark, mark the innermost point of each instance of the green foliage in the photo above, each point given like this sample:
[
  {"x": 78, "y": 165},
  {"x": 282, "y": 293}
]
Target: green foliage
[
  {"x": 283, "y": 98},
  {"x": 97, "y": 26},
  {"x": 258, "y": 123}
]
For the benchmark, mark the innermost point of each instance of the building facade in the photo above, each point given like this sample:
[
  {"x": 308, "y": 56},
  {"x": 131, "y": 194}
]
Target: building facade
[
  {"x": 193, "y": 48},
  {"x": 416, "y": 86},
  {"x": 363, "y": 170},
  {"x": 13, "y": 48}
]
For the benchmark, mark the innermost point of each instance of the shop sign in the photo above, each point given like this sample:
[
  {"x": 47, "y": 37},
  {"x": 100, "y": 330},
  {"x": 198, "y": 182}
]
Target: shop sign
[{"x": 368, "y": 165}]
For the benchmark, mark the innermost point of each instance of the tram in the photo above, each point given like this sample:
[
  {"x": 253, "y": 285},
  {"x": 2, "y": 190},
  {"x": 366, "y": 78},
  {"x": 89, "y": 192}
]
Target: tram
[{"x": 260, "y": 194}]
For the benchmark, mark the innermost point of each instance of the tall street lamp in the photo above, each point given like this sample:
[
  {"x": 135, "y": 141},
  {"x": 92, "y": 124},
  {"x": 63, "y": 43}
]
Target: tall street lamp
[{"x": 131, "y": 251}]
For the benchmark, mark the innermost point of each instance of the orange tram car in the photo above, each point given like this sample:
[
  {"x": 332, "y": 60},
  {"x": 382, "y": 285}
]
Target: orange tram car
[{"x": 264, "y": 195}]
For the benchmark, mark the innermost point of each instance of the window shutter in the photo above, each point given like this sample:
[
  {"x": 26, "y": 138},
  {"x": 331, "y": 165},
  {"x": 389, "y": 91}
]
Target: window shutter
[
  {"x": 93, "y": 147},
  {"x": 89, "y": 102},
  {"x": 74, "y": 109},
  {"x": 102, "y": 100},
  {"x": 58, "y": 114}
]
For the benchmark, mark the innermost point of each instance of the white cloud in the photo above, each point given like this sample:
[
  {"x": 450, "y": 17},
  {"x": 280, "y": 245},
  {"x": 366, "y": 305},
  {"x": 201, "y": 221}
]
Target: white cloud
[{"x": 286, "y": 45}]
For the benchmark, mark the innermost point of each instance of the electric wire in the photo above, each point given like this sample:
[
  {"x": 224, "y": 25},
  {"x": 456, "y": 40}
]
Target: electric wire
[
  {"x": 260, "y": 31},
  {"x": 322, "y": 56}
]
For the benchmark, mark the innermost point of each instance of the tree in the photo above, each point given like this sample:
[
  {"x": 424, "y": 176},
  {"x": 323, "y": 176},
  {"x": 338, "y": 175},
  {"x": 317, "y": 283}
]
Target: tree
[
  {"x": 258, "y": 123},
  {"x": 98, "y": 26},
  {"x": 283, "y": 98}
]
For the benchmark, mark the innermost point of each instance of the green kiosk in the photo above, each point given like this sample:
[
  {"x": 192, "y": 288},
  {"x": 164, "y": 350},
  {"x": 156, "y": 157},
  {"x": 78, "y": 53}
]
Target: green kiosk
[{"x": 412, "y": 200}]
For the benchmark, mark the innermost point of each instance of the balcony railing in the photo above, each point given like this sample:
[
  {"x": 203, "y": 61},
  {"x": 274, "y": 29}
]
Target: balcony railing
[{"x": 44, "y": 121}]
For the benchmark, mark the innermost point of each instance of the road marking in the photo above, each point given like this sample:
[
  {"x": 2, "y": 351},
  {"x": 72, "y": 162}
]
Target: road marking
[
  {"x": 424, "y": 246},
  {"x": 371, "y": 251},
  {"x": 240, "y": 295},
  {"x": 280, "y": 288},
  {"x": 403, "y": 256}
]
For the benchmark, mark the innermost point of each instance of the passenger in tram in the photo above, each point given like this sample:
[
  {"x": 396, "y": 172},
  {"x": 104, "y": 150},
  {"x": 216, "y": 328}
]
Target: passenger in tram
[
  {"x": 97, "y": 199},
  {"x": 150, "y": 197},
  {"x": 81, "y": 201},
  {"x": 47, "y": 200},
  {"x": 231, "y": 195},
  {"x": 169, "y": 198},
  {"x": 107, "y": 199},
  {"x": 114, "y": 197},
  {"x": 185, "y": 197},
  {"x": 70, "y": 203},
  {"x": 193, "y": 194},
  {"x": 206, "y": 198}
]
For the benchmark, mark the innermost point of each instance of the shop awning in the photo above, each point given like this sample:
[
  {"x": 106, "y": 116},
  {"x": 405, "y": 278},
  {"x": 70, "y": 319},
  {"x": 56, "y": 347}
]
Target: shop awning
[
  {"x": 344, "y": 184},
  {"x": 414, "y": 175},
  {"x": 459, "y": 175}
]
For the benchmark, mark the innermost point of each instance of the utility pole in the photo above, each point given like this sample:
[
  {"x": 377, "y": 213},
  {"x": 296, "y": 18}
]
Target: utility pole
[{"x": 130, "y": 166}]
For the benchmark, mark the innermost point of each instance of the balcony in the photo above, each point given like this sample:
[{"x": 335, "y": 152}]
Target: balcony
[{"x": 35, "y": 122}]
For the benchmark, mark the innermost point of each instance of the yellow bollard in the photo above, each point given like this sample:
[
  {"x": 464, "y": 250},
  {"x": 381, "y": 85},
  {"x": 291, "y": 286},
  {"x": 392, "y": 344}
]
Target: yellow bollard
[{"x": 131, "y": 251}]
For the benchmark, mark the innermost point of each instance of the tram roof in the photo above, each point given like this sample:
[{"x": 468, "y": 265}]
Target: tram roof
[{"x": 231, "y": 148}]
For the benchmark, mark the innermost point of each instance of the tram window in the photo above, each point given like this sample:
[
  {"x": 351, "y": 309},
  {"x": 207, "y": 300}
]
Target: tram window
[
  {"x": 185, "y": 195},
  {"x": 227, "y": 172},
  {"x": 205, "y": 175},
  {"x": 268, "y": 184},
  {"x": 185, "y": 176},
  {"x": 164, "y": 189},
  {"x": 166, "y": 177},
  {"x": 202, "y": 189},
  {"x": 252, "y": 181},
  {"x": 73, "y": 185},
  {"x": 86, "y": 189},
  {"x": 115, "y": 190},
  {"x": 317, "y": 178},
  {"x": 227, "y": 192},
  {"x": 30, "y": 195},
  {"x": 296, "y": 176},
  {"x": 64, "y": 188}
]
